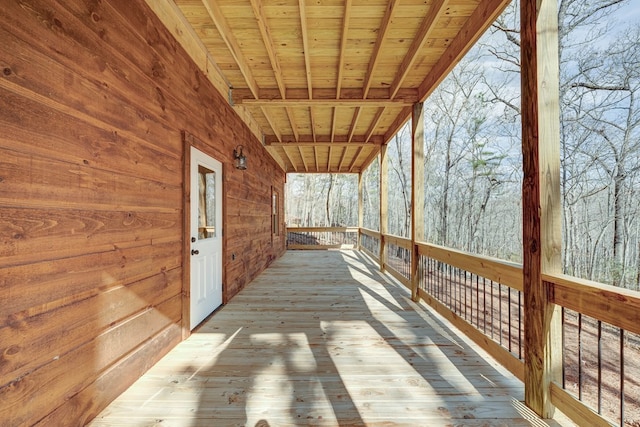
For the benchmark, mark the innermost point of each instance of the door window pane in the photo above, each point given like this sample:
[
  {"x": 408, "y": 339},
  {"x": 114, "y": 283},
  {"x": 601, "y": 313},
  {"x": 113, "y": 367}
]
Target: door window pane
[{"x": 206, "y": 203}]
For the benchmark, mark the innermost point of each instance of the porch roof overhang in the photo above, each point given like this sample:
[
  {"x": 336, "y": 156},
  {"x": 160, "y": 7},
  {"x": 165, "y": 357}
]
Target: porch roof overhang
[{"x": 325, "y": 83}]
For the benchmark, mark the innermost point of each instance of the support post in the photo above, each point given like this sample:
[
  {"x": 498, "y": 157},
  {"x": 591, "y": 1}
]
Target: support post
[
  {"x": 384, "y": 197},
  {"x": 540, "y": 199},
  {"x": 417, "y": 193},
  {"x": 360, "y": 208}
]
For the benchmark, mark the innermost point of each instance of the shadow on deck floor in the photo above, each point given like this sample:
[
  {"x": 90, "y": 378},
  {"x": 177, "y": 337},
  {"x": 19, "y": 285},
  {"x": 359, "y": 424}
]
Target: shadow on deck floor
[{"x": 322, "y": 338}]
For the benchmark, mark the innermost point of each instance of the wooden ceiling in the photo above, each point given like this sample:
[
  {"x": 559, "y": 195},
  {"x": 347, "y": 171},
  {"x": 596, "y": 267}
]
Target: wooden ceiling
[{"x": 324, "y": 83}]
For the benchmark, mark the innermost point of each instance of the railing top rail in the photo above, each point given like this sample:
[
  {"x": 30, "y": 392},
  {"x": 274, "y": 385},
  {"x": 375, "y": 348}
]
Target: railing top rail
[
  {"x": 322, "y": 229},
  {"x": 617, "y": 306},
  {"x": 403, "y": 242},
  {"x": 507, "y": 273},
  {"x": 370, "y": 232}
]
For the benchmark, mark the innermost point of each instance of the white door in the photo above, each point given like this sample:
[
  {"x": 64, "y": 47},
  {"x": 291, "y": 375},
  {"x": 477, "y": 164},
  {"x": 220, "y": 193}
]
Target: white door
[{"x": 205, "y": 235}]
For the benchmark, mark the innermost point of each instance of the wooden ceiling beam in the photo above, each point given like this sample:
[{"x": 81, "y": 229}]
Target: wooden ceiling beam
[
  {"x": 343, "y": 46},
  {"x": 292, "y": 122},
  {"x": 329, "y": 159},
  {"x": 342, "y": 157},
  {"x": 315, "y": 157},
  {"x": 321, "y": 144},
  {"x": 304, "y": 163},
  {"x": 435, "y": 11},
  {"x": 293, "y": 165},
  {"x": 274, "y": 128},
  {"x": 267, "y": 40},
  {"x": 326, "y": 102},
  {"x": 215, "y": 13},
  {"x": 354, "y": 162},
  {"x": 369, "y": 159},
  {"x": 382, "y": 34},
  {"x": 374, "y": 124},
  {"x": 334, "y": 118},
  {"x": 305, "y": 46},
  {"x": 354, "y": 123},
  {"x": 409, "y": 95},
  {"x": 323, "y": 140}
]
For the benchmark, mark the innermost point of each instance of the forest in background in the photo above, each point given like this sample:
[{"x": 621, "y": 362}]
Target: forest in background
[{"x": 473, "y": 167}]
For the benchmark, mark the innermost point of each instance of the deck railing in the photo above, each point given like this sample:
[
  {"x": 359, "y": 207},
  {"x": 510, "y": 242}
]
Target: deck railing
[
  {"x": 322, "y": 237},
  {"x": 483, "y": 297}
]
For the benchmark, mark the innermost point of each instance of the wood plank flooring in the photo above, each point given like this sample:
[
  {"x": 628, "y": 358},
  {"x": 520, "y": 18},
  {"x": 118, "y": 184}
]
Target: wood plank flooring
[{"x": 322, "y": 338}]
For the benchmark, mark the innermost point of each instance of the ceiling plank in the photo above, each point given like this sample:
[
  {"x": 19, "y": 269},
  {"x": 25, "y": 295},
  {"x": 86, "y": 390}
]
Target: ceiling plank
[
  {"x": 436, "y": 9},
  {"x": 382, "y": 33},
  {"x": 232, "y": 44}
]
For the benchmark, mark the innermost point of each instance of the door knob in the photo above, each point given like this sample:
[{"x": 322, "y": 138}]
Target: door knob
[{"x": 194, "y": 252}]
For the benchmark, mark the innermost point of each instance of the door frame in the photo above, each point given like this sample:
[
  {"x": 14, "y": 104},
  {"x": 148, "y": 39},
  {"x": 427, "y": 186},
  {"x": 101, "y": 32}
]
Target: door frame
[{"x": 189, "y": 140}]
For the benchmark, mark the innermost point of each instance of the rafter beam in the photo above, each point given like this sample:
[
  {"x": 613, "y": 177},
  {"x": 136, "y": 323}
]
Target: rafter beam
[
  {"x": 374, "y": 124},
  {"x": 354, "y": 123},
  {"x": 267, "y": 40},
  {"x": 293, "y": 165},
  {"x": 315, "y": 157},
  {"x": 354, "y": 162},
  {"x": 436, "y": 9},
  {"x": 482, "y": 18},
  {"x": 274, "y": 128},
  {"x": 292, "y": 122},
  {"x": 343, "y": 46},
  {"x": 304, "y": 163},
  {"x": 344, "y": 154},
  {"x": 382, "y": 33},
  {"x": 305, "y": 45},
  {"x": 232, "y": 44}
]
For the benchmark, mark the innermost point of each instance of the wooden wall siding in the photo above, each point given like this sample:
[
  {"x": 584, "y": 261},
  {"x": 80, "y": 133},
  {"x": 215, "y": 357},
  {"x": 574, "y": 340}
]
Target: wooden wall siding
[{"x": 93, "y": 99}]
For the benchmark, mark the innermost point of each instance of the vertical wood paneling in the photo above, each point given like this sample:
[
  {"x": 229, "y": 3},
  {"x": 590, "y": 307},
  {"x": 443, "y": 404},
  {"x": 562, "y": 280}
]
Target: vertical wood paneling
[{"x": 94, "y": 98}]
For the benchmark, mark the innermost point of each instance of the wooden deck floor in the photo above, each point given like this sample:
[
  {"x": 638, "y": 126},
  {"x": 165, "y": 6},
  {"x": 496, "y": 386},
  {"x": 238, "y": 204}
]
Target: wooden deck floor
[{"x": 322, "y": 338}]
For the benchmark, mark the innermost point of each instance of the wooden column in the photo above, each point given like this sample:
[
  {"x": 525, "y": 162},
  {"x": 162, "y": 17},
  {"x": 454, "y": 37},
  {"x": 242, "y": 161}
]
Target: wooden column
[
  {"x": 384, "y": 192},
  {"x": 360, "y": 207},
  {"x": 540, "y": 199},
  {"x": 417, "y": 192}
]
